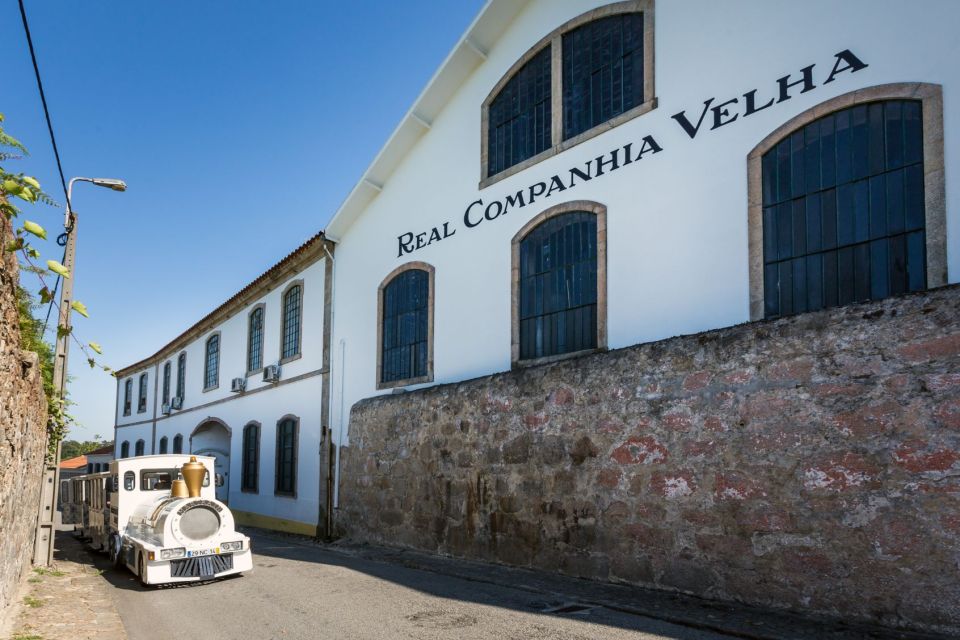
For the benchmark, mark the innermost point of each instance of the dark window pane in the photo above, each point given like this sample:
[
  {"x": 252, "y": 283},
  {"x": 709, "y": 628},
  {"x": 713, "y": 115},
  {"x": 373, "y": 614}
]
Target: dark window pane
[
  {"x": 834, "y": 228},
  {"x": 913, "y": 197},
  {"x": 916, "y": 262},
  {"x": 894, "y": 134},
  {"x": 602, "y": 71},
  {"x": 558, "y": 292},
  {"x": 405, "y": 326},
  {"x": 292, "y": 301},
  {"x": 518, "y": 119}
]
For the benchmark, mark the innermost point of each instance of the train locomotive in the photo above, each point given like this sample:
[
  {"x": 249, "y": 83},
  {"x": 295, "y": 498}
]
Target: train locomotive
[{"x": 159, "y": 517}]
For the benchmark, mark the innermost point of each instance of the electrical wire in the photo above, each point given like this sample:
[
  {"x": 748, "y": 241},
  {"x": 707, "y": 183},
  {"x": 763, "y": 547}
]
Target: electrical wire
[{"x": 56, "y": 152}]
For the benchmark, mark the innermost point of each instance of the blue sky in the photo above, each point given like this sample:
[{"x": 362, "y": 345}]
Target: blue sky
[{"x": 239, "y": 127}]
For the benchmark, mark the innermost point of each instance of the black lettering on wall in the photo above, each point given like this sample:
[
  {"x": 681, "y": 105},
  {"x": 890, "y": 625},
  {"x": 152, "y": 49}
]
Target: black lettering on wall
[
  {"x": 854, "y": 64},
  {"x": 685, "y": 123}
]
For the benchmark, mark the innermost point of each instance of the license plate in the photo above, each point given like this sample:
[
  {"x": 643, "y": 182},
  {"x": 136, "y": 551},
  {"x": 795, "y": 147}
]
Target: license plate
[{"x": 203, "y": 552}]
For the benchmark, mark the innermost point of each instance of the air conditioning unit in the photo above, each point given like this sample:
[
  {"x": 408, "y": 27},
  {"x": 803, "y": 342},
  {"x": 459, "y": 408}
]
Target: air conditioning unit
[
  {"x": 176, "y": 403},
  {"x": 271, "y": 373},
  {"x": 237, "y": 385},
  {"x": 165, "y": 408}
]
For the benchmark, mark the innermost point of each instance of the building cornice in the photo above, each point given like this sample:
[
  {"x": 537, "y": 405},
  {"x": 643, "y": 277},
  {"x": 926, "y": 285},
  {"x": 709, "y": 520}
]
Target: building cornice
[{"x": 296, "y": 261}]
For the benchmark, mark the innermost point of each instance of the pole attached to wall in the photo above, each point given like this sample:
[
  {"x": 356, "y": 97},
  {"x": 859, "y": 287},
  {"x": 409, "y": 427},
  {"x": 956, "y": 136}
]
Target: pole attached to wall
[{"x": 49, "y": 490}]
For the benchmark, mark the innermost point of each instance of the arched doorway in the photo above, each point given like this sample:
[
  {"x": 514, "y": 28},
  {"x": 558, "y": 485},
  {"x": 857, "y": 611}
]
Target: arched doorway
[{"x": 212, "y": 438}]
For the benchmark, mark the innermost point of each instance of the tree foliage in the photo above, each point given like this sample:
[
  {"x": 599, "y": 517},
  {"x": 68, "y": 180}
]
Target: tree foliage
[{"x": 74, "y": 448}]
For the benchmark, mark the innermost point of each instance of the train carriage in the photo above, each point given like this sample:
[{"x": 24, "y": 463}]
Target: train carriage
[{"x": 159, "y": 516}]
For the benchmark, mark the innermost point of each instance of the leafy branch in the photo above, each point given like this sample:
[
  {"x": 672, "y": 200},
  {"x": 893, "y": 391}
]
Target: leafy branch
[{"x": 25, "y": 188}]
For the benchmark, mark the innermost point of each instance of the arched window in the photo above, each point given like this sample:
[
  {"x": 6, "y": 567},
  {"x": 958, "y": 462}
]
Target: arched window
[
  {"x": 519, "y": 117},
  {"x": 138, "y": 449},
  {"x": 142, "y": 394},
  {"x": 559, "y": 266},
  {"x": 602, "y": 71},
  {"x": 181, "y": 375},
  {"x": 286, "y": 480},
  {"x": 163, "y": 444},
  {"x": 127, "y": 396},
  {"x": 166, "y": 383},
  {"x": 840, "y": 211},
  {"x": 255, "y": 340},
  {"x": 405, "y": 349},
  {"x": 125, "y": 449},
  {"x": 588, "y": 75},
  {"x": 292, "y": 307},
  {"x": 250, "y": 476},
  {"x": 178, "y": 443},
  {"x": 211, "y": 368}
]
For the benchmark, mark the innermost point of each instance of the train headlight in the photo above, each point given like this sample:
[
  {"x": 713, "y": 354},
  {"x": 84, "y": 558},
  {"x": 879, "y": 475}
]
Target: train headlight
[
  {"x": 167, "y": 554},
  {"x": 231, "y": 546}
]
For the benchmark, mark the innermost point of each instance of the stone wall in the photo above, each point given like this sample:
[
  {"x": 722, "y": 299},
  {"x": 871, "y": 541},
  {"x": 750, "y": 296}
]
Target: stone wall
[
  {"x": 23, "y": 433},
  {"x": 809, "y": 463}
]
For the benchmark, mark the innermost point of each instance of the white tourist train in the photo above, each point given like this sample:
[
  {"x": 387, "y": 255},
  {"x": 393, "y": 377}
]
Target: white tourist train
[{"x": 159, "y": 517}]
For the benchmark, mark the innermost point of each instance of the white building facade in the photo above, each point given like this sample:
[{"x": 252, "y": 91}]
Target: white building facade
[
  {"x": 585, "y": 175},
  {"x": 244, "y": 385}
]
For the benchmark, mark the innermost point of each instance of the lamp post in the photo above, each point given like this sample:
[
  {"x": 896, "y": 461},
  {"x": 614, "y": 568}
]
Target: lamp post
[{"x": 50, "y": 488}]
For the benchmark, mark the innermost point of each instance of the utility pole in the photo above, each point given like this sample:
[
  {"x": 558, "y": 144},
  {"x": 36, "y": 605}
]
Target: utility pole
[{"x": 50, "y": 487}]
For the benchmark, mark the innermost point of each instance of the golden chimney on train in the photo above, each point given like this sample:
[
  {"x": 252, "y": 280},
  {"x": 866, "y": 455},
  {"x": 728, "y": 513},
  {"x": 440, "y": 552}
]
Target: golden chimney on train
[{"x": 193, "y": 473}]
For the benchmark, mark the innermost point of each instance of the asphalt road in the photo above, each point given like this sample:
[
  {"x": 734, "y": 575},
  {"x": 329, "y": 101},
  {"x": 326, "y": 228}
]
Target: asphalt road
[{"x": 298, "y": 590}]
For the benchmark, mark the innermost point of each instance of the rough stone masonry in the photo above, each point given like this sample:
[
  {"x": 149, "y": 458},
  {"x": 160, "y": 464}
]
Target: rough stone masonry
[
  {"x": 23, "y": 433},
  {"x": 809, "y": 463}
]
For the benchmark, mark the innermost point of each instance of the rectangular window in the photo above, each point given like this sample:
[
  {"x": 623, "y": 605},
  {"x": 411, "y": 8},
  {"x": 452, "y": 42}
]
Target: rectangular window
[
  {"x": 142, "y": 395},
  {"x": 166, "y": 383},
  {"x": 291, "y": 322},
  {"x": 211, "y": 375},
  {"x": 405, "y": 327},
  {"x": 181, "y": 375},
  {"x": 255, "y": 340},
  {"x": 251, "y": 458},
  {"x": 127, "y": 396}
]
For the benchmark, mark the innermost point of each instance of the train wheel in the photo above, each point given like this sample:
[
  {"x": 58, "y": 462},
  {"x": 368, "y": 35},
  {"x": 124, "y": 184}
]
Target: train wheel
[
  {"x": 141, "y": 570},
  {"x": 115, "y": 551}
]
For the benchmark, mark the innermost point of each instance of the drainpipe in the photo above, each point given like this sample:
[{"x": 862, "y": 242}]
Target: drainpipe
[{"x": 327, "y": 457}]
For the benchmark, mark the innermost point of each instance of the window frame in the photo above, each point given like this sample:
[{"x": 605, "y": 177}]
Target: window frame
[
  {"x": 262, "y": 308},
  {"x": 181, "y": 376},
  {"x": 127, "y": 396},
  {"x": 206, "y": 361},
  {"x": 431, "y": 298},
  {"x": 167, "y": 374},
  {"x": 295, "y": 462},
  {"x": 283, "y": 312},
  {"x": 142, "y": 392},
  {"x": 255, "y": 485},
  {"x": 141, "y": 447},
  {"x": 588, "y": 206},
  {"x": 934, "y": 185},
  {"x": 125, "y": 449},
  {"x": 177, "y": 440},
  {"x": 555, "y": 40},
  {"x": 164, "y": 445}
]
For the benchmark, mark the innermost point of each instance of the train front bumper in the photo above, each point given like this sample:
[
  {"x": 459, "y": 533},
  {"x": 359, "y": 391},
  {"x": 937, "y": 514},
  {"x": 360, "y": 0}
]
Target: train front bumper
[{"x": 198, "y": 568}]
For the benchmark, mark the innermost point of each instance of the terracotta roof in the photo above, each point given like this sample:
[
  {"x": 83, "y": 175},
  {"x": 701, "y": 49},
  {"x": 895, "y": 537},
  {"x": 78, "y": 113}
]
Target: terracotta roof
[
  {"x": 306, "y": 253},
  {"x": 80, "y": 462}
]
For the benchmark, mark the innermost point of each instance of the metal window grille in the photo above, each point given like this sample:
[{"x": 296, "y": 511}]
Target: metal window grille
[
  {"x": 255, "y": 340},
  {"x": 251, "y": 458},
  {"x": 166, "y": 383},
  {"x": 138, "y": 450},
  {"x": 163, "y": 444},
  {"x": 519, "y": 118},
  {"x": 558, "y": 286},
  {"x": 291, "y": 322},
  {"x": 142, "y": 394},
  {"x": 127, "y": 396},
  {"x": 844, "y": 216},
  {"x": 602, "y": 71},
  {"x": 211, "y": 370},
  {"x": 181, "y": 375},
  {"x": 125, "y": 449},
  {"x": 178, "y": 443},
  {"x": 405, "y": 326},
  {"x": 286, "y": 482}
]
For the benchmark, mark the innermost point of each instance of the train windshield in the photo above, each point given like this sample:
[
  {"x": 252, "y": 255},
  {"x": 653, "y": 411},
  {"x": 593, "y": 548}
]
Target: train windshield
[{"x": 157, "y": 479}]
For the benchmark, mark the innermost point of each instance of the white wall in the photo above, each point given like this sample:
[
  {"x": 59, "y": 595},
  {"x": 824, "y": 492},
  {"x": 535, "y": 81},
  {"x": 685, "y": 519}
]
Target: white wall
[
  {"x": 677, "y": 221},
  {"x": 263, "y": 402}
]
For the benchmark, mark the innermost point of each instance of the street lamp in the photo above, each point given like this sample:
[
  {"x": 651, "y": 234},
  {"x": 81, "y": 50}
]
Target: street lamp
[{"x": 43, "y": 549}]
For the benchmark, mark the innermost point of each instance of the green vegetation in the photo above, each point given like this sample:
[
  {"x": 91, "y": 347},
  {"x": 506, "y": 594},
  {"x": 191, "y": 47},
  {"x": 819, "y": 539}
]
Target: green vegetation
[
  {"x": 26, "y": 636},
  {"x": 43, "y": 571},
  {"x": 34, "y": 579},
  {"x": 74, "y": 448},
  {"x": 32, "y": 602}
]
